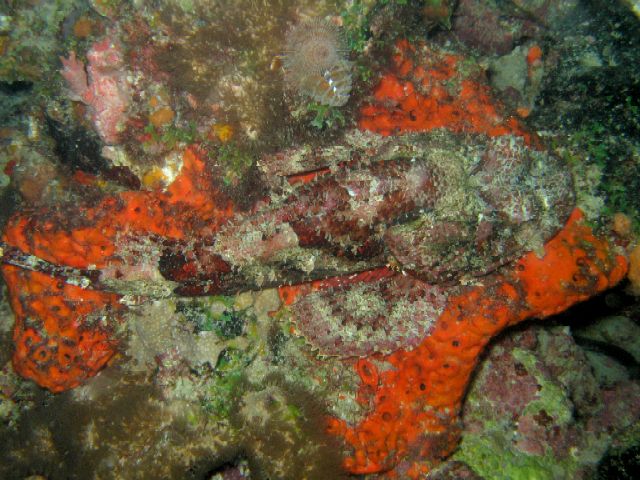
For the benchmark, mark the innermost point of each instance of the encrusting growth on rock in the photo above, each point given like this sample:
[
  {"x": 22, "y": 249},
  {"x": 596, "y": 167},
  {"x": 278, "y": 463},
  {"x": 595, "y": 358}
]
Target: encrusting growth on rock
[
  {"x": 458, "y": 209},
  {"x": 414, "y": 394},
  {"x": 417, "y": 400},
  {"x": 63, "y": 331}
]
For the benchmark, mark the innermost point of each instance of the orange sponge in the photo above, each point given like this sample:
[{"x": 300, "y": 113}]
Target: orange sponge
[
  {"x": 430, "y": 88},
  {"x": 417, "y": 400},
  {"x": 61, "y": 335}
]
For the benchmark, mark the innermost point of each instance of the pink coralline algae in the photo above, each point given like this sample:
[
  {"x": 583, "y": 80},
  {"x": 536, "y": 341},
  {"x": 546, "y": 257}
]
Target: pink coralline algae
[
  {"x": 488, "y": 28},
  {"x": 536, "y": 400},
  {"x": 104, "y": 87}
]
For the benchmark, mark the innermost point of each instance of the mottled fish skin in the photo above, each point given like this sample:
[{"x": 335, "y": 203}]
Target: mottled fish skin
[
  {"x": 377, "y": 317},
  {"x": 512, "y": 200},
  {"x": 440, "y": 205},
  {"x": 465, "y": 206}
]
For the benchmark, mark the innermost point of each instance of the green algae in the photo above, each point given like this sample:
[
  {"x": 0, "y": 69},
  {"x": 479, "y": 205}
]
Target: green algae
[
  {"x": 223, "y": 389},
  {"x": 321, "y": 116},
  {"x": 235, "y": 161},
  {"x": 491, "y": 451},
  {"x": 551, "y": 398},
  {"x": 173, "y": 135},
  {"x": 216, "y": 314},
  {"x": 32, "y": 45},
  {"x": 489, "y": 455}
]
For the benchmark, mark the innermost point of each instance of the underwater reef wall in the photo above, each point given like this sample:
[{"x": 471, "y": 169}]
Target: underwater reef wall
[{"x": 291, "y": 234}]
